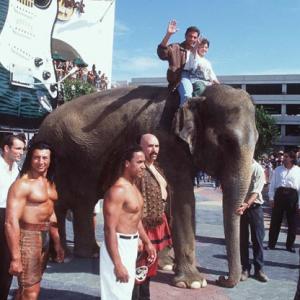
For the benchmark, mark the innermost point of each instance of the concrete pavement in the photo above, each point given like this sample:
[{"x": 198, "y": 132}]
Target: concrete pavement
[{"x": 78, "y": 278}]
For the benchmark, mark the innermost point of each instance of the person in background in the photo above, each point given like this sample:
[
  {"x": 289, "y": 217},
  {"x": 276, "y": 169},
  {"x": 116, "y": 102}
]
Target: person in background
[
  {"x": 12, "y": 150},
  {"x": 284, "y": 193},
  {"x": 252, "y": 216}
]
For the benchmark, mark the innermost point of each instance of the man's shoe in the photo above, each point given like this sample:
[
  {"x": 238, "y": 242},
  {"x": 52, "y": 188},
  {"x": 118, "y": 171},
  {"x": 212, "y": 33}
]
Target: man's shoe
[
  {"x": 261, "y": 276},
  {"x": 291, "y": 249},
  {"x": 244, "y": 275}
]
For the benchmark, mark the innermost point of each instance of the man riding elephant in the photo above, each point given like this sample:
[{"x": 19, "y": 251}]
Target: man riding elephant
[
  {"x": 189, "y": 71},
  {"x": 179, "y": 56}
]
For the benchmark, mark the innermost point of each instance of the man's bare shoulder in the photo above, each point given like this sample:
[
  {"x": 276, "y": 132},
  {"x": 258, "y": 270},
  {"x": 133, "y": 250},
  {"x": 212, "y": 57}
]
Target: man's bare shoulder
[
  {"x": 22, "y": 182},
  {"x": 118, "y": 191},
  {"x": 20, "y": 188}
]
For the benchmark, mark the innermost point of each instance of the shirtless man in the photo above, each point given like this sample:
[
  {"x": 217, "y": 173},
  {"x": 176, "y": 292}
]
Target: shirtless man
[
  {"x": 29, "y": 218},
  {"x": 122, "y": 210}
]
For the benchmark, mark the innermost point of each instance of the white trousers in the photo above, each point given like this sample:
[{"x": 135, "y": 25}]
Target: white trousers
[{"x": 110, "y": 289}]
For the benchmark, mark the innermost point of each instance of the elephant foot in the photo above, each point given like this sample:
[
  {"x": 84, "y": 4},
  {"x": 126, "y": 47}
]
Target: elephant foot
[
  {"x": 226, "y": 282},
  {"x": 165, "y": 260},
  {"x": 190, "y": 279},
  {"x": 166, "y": 267}
]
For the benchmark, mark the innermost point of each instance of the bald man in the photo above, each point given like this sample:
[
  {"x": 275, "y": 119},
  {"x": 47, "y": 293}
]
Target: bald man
[{"x": 153, "y": 186}]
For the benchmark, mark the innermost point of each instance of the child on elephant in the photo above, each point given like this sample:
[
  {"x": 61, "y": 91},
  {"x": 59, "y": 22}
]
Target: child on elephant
[{"x": 201, "y": 73}]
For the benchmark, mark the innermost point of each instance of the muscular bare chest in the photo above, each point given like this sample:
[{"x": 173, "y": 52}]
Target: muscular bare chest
[
  {"x": 42, "y": 192},
  {"x": 134, "y": 201}
]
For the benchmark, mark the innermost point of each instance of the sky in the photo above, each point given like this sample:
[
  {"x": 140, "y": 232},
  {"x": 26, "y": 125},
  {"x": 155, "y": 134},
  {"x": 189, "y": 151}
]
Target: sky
[{"x": 247, "y": 37}]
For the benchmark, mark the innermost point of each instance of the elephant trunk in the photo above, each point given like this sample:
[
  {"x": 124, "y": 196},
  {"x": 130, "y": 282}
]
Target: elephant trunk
[{"x": 235, "y": 190}]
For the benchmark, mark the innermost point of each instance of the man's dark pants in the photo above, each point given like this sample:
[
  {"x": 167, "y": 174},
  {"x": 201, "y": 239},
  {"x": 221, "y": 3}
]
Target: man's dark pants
[
  {"x": 5, "y": 277},
  {"x": 141, "y": 291},
  {"x": 253, "y": 217},
  {"x": 285, "y": 201}
]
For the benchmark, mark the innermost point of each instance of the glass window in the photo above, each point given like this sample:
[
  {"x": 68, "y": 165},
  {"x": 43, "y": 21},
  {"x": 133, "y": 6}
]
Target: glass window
[
  {"x": 264, "y": 89},
  {"x": 292, "y": 130},
  {"x": 293, "y": 88}
]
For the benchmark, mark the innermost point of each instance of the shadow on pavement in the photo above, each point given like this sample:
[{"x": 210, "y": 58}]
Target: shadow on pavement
[
  {"x": 167, "y": 277},
  {"x": 163, "y": 277},
  {"x": 49, "y": 294},
  {"x": 210, "y": 240},
  {"x": 78, "y": 265},
  {"x": 211, "y": 272},
  {"x": 266, "y": 263}
]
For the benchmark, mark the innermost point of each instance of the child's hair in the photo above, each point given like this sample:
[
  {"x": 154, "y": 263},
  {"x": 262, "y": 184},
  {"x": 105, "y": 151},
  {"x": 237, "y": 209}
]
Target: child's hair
[{"x": 204, "y": 41}]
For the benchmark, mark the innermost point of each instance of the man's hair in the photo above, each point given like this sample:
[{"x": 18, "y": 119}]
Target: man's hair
[
  {"x": 192, "y": 29},
  {"x": 204, "y": 41},
  {"x": 27, "y": 163},
  {"x": 128, "y": 153},
  {"x": 115, "y": 165},
  {"x": 8, "y": 140},
  {"x": 293, "y": 156}
]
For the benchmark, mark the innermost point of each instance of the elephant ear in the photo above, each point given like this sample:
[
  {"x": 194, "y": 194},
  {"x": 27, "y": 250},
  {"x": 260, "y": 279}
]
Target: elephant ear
[{"x": 184, "y": 122}]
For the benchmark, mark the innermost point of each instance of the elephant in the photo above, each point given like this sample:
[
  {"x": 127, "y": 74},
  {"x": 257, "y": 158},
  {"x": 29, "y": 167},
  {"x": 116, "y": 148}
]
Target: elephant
[{"x": 215, "y": 133}]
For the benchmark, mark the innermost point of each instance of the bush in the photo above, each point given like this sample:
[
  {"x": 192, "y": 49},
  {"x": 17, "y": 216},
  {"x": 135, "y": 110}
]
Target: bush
[
  {"x": 75, "y": 88},
  {"x": 267, "y": 130}
]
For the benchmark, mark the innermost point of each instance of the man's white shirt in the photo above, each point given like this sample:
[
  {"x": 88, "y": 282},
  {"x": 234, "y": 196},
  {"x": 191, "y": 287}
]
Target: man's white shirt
[
  {"x": 7, "y": 177},
  {"x": 283, "y": 177}
]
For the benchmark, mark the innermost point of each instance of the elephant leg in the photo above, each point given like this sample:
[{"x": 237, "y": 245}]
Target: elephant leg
[
  {"x": 166, "y": 259},
  {"x": 60, "y": 212},
  {"x": 85, "y": 244},
  {"x": 183, "y": 233}
]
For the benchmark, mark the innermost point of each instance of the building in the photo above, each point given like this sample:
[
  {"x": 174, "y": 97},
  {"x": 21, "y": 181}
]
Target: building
[
  {"x": 278, "y": 94},
  {"x": 37, "y": 40}
]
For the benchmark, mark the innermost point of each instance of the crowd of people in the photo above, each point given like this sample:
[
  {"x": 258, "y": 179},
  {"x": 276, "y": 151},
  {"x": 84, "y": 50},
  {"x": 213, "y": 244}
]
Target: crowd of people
[
  {"x": 96, "y": 78},
  {"x": 136, "y": 206}
]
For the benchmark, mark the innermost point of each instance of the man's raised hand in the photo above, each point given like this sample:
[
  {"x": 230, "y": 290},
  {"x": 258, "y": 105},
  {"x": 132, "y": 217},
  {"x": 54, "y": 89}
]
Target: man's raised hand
[{"x": 172, "y": 27}]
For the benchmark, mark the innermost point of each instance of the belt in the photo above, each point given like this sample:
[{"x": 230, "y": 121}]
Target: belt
[
  {"x": 283, "y": 189},
  {"x": 128, "y": 237},
  {"x": 254, "y": 205},
  {"x": 35, "y": 227}
]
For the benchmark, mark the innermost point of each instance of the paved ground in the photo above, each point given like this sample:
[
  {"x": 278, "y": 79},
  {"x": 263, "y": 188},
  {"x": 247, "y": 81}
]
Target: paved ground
[{"x": 78, "y": 278}]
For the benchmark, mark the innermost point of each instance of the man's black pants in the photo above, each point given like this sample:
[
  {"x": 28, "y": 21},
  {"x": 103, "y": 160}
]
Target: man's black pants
[
  {"x": 253, "y": 217},
  {"x": 141, "y": 291},
  {"x": 5, "y": 277},
  {"x": 285, "y": 201}
]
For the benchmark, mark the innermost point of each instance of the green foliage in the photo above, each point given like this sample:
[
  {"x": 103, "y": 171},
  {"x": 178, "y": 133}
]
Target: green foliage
[
  {"x": 267, "y": 130},
  {"x": 75, "y": 88}
]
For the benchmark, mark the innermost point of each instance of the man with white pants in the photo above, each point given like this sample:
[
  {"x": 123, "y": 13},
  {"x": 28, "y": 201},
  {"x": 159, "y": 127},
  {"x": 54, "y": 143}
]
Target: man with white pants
[{"x": 122, "y": 210}]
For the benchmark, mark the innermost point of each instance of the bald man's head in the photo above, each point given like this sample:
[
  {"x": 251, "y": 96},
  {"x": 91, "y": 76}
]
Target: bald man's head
[{"x": 150, "y": 146}]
